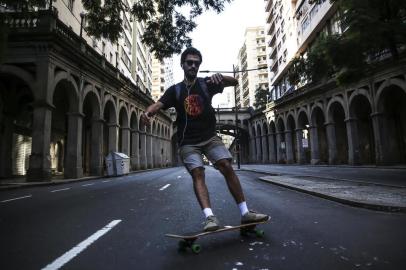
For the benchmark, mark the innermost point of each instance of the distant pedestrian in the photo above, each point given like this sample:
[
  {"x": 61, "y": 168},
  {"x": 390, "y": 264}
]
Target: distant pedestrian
[{"x": 196, "y": 124}]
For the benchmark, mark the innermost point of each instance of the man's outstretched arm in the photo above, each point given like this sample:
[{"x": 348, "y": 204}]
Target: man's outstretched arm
[
  {"x": 151, "y": 111},
  {"x": 225, "y": 81}
]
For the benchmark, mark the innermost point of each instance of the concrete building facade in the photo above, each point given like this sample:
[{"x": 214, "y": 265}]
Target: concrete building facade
[
  {"x": 252, "y": 55},
  {"x": 364, "y": 123},
  {"x": 64, "y": 104}
]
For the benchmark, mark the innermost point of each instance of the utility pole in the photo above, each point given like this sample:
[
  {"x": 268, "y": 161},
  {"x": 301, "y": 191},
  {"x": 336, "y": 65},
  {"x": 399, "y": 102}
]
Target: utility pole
[{"x": 237, "y": 139}]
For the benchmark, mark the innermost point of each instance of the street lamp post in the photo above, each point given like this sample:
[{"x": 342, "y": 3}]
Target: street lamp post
[{"x": 237, "y": 142}]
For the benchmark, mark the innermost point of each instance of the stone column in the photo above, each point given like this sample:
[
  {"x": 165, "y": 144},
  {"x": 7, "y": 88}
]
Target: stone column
[
  {"x": 314, "y": 144},
  {"x": 353, "y": 141},
  {"x": 265, "y": 158},
  {"x": 96, "y": 152},
  {"x": 40, "y": 159},
  {"x": 135, "y": 155},
  {"x": 259, "y": 149},
  {"x": 380, "y": 137},
  {"x": 272, "y": 150},
  {"x": 149, "y": 151},
  {"x": 253, "y": 152},
  {"x": 332, "y": 143},
  {"x": 301, "y": 156},
  {"x": 289, "y": 147},
  {"x": 73, "y": 159},
  {"x": 113, "y": 137},
  {"x": 143, "y": 152},
  {"x": 6, "y": 147},
  {"x": 125, "y": 140},
  {"x": 279, "y": 151}
]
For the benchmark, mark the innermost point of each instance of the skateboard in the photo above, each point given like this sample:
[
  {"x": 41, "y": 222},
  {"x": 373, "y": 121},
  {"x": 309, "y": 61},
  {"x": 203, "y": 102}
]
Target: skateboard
[{"x": 187, "y": 240}]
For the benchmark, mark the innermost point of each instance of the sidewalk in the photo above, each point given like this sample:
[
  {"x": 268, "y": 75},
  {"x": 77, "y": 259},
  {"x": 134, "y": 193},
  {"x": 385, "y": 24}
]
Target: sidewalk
[{"x": 385, "y": 191}]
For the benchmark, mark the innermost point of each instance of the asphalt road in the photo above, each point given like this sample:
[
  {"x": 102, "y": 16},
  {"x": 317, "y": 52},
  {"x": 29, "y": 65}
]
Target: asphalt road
[{"x": 119, "y": 223}]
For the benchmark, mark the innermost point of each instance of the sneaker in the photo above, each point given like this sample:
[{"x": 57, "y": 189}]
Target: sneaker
[
  {"x": 211, "y": 224},
  {"x": 252, "y": 217}
]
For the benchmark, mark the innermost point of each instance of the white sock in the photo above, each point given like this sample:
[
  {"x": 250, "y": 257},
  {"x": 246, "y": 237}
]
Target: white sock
[
  {"x": 208, "y": 212},
  {"x": 243, "y": 208}
]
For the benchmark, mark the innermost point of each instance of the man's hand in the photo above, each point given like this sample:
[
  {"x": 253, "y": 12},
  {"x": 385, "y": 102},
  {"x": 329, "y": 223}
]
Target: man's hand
[
  {"x": 216, "y": 79},
  {"x": 146, "y": 119}
]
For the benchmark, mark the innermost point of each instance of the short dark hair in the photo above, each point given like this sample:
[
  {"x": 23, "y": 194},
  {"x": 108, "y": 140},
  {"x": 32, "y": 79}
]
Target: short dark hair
[{"x": 190, "y": 50}]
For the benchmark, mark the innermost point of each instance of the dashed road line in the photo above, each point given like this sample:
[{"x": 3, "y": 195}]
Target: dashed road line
[
  {"x": 19, "y": 198},
  {"x": 65, "y": 258},
  {"x": 164, "y": 187},
  {"x": 62, "y": 189},
  {"x": 87, "y": 185}
]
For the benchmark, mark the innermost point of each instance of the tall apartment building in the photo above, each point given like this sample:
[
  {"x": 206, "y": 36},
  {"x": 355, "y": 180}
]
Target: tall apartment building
[
  {"x": 292, "y": 26},
  {"x": 162, "y": 76},
  {"x": 142, "y": 59},
  {"x": 251, "y": 56}
]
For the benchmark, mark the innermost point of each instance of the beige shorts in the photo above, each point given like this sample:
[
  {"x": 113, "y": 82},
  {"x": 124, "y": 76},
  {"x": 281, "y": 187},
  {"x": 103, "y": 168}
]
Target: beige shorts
[{"x": 214, "y": 149}]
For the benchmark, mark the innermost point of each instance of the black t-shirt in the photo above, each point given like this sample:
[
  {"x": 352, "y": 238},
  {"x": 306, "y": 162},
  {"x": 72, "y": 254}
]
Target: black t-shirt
[{"x": 199, "y": 124}]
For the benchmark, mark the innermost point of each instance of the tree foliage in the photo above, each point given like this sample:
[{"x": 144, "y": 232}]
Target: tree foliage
[
  {"x": 261, "y": 97},
  {"x": 371, "y": 29},
  {"x": 166, "y": 27}
]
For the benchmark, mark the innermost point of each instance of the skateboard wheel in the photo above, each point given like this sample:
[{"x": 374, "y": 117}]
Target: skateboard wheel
[
  {"x": 260, "y": 233},
  {"x": 196, "y": 248},
  {"x": 182, "y": 245}
]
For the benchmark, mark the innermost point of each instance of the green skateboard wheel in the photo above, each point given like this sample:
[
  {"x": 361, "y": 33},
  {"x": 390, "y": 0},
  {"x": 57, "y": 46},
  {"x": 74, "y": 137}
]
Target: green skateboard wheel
[
  {"x": 196, "y": 248},
  {"x": 260, "y": 233}
]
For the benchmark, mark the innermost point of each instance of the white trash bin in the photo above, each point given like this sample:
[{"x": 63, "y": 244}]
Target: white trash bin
[{"x": 117, "y": 164}]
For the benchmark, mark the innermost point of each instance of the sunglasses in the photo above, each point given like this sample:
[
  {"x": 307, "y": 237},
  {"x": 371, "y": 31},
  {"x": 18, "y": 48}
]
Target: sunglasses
[{"x": 192, "y": 62}]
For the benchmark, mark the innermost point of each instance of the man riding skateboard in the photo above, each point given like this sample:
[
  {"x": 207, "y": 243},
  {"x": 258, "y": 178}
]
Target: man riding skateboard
[{"x": 196, "y": 123}]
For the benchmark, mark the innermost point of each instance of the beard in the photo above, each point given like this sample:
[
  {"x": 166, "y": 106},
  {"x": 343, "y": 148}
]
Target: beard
[{"x": 191, "y": 74}]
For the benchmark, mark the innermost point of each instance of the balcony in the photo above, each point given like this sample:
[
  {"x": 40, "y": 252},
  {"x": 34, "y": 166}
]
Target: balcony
[
  {"x": 271, "y": 28},
  {"x": 268, "y": 5},
  {"x": 272, "y": 41}
]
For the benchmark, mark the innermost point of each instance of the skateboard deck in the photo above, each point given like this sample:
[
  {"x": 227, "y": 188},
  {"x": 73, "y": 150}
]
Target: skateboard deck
[{"x": 187, "y": 240}]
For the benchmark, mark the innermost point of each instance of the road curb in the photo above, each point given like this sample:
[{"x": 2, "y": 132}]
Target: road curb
[
  {"x": 376, "y": 207},
  {"x": 12, "y": 186}
]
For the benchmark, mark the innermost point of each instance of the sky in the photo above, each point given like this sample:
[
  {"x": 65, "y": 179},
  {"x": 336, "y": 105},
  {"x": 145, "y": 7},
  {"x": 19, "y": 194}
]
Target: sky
[{"x": 219, "y": 37}]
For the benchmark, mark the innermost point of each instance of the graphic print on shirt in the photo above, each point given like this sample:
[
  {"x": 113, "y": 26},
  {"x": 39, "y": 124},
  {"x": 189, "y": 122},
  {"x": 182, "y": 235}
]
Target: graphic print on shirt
[{"x": 193, "y": 105}]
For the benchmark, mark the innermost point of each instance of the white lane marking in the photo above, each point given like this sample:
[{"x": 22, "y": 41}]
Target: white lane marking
[
  {"x": 62, "y": 189},
  {"x": 61, "y": 261},
  {"x": 87, "y": 185},
  {"x": 164, "y": 187},
  {"x": 19, "y": 198},
  {"x": 106, "y": 181}
]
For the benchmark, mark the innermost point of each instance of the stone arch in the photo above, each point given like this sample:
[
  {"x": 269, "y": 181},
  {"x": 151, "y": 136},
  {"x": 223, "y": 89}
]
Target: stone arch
[
  {"x": 16, "y": 121},
  {"x": 124, "y": 130},
  {"x": 22, "y": 74},
  {"x": 92, "y": 129},
  {"x": 66, "y": 131},
  {"x": 317, "y": 105},
  {"x": 337, "y": 131},
  {"x": 390, "y": 122},
  {"x": 401, "y": 84},
  {"x": 361, "y": 135},
  {"x": 110, "y": 129},
  {"x": 303, "y": 136},
  {"x": 63, "y": 77},
  {"x": 320, "y": 154}
]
